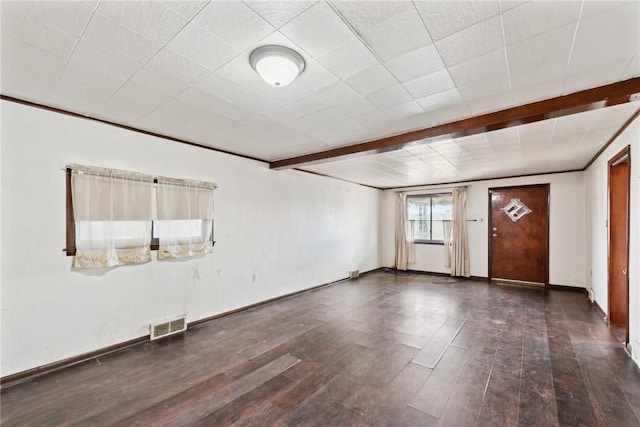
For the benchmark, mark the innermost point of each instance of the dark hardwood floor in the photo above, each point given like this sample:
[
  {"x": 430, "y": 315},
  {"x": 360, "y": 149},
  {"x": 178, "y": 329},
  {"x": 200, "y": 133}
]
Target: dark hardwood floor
[{"x": 383, "y": 350}]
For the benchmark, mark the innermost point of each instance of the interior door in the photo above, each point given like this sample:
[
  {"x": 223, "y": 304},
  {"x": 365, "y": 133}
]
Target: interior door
[
  {"x": 519, "y": 234},
  {"x": 619, "y": 173}
]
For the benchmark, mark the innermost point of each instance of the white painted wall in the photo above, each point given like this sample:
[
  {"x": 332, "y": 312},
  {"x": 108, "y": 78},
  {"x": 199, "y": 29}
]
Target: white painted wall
[
  {"x": 293, "y": 230},
  {"x": 596, "y": 182},
  {"x": 566, "y": 222}
]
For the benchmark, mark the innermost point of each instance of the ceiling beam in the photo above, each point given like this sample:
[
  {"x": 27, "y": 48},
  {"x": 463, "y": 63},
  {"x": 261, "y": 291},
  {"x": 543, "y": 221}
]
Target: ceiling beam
[{"x": 590, "y": 99}]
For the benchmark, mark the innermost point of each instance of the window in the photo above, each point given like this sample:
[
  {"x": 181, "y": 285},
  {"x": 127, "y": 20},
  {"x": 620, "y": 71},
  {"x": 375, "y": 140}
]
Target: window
[
  {"x": 427, "y": 215},
  {"x": 177, "y": 217}
]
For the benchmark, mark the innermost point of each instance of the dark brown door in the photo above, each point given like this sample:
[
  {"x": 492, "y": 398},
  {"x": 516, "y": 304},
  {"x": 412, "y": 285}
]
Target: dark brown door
[
  {"x": 619, "y": 168},
  {"x": 519, "y": 233}
]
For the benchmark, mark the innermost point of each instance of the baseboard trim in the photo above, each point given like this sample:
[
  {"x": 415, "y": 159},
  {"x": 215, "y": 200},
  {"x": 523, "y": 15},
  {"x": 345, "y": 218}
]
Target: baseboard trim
[
  {"x": 600, "y": 311},
  {"x": 271, "y": 300},
  {"x": 28, "y": 374},
  {"x": 66, "y": 363},
  {"x": 434, "y": 273},
  {"x": 568, "y": 288}
]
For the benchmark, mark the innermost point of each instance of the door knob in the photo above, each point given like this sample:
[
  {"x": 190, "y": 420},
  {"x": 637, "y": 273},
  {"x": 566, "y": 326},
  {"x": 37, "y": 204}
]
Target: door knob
[{"x": 624, "y": 271}]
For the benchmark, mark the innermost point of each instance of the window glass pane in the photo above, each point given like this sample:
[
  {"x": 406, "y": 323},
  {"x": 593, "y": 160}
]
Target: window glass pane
[
  {"x": 442, "y": 207},
  {"x": 101, "y": 234},
  {"x": 438, "y": 230},
  {"x": 418, "y": 212},
  {"x": 179, "y": 230}
]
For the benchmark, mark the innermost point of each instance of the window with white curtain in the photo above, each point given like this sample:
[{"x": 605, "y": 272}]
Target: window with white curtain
[
  {"x": 428, "y": 214},
  {"x": 117, "y": 217},
  {"x": 185, "y": 218},
  {"x": 112, "y": 217}
]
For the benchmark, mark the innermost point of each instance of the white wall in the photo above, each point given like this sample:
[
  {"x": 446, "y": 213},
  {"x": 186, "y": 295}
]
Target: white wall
[
  {"x": 596, "y": 182},
  {"x": 566, "y": 222},
  {"x": 293, "y": 230}
]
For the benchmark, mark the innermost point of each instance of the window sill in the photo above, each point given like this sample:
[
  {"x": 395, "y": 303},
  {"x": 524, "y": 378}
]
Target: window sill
[{"x": 429, "y": 242}]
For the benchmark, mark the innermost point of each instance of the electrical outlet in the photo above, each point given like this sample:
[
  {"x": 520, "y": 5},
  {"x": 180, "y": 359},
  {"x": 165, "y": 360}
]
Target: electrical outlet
[{"x": 254, "y": 277}]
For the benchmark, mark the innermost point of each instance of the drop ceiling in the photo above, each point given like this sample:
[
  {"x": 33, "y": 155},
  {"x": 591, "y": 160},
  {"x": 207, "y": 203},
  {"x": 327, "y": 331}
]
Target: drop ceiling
[{"x": 373, "y": 69}]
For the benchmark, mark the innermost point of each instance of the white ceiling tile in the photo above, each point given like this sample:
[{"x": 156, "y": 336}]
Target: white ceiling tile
[
  {"x": 348, "y": 59},
  {"x": 132, "y": 102},
  {"x": 159, "y": 81},
  {"x": 227, "y": 90},
  {"x": 318, "y": 30},
  {"x": 234, "y": 22},
  {"x": 607, "y": 51},
  {"x": 371, "y": 80},
  {"x": 68, "y": 16},
  {"x": 444, "y": 18},
  {"x": 547, "y": 69},
  {"x": 537, "y": 91},
  {"x": 372, "y": 119},
  {"x": 36, "y": 34},
  {"x": 363, "y": 15},
  {"x": 389, "y": 97},
  {"x": 425, "y": 60},
  {"x": 118, "y": 38},
  {"x": 87, "y": 83},
  {"x": 510, "y": 4},
  {"x": 351, "y": 108},
  {"x": 337, "y": 93},
  {"x": 278, "y": 13},
  {"x": 187, "y": 9},
  {"x": 429, "y": 84},
  {"x": 314, "y": 77},
  {"x": 633, "y": 69},
  {"x": 148, "y": 18},
  {"x": 178, "y": 66},
  {"x": 618, "y": 23},
  {"x": 446, "y": 114},
  {"x": 201, "y": 47},
  {"x": 401, "y": 111},
  {"x": 554, "y": 43},
  {"x": 594, "y": 76},
  {"x": 484, "y": 88},
  {"x": 92, "y": 54},
  {"x": 27, "y": 71},
  {"x": 595, "y": 7},
  {"x": 496, "y": 102},
  {"x": 473, "y": 41},
  {"x": 491, "y": 65},
  {"x": 400, "y": 34},
  {"x": 537, "y": 17},
  {"x": 169, "y": 116}
]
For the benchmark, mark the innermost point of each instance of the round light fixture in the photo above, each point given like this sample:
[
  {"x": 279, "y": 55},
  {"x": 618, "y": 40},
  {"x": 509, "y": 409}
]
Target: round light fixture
[{"x": 277, "y": 65}]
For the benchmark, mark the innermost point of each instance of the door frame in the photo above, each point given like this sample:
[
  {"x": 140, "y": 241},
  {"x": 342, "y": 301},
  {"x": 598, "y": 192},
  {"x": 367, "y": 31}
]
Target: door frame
[
  {"x": 624, "y": 154},
  {"x": 547, "y": 226}
]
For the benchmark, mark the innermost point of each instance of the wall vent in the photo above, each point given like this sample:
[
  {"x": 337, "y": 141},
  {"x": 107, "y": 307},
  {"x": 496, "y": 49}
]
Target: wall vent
[
  {"x": 168, "y": 327},
  {"x": 354, "y": 274}
]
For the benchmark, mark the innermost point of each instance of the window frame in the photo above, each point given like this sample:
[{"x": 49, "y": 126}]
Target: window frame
[
  {"x": 70, "y": 248},
  {"x": 429, "y": 196}
]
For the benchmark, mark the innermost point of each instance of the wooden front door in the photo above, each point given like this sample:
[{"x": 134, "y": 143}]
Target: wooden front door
[
  {"x": 519, "y": 233},
  {"x": 619, "y": 172}
]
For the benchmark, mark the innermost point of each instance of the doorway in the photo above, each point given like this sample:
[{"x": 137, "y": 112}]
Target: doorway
[
  {"x": 519, "y": 234},
  {"x": 619, "y": 196}
]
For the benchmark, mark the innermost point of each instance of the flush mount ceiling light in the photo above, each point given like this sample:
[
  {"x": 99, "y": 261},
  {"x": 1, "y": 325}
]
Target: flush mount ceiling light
[{"x": 277, "y": 65}]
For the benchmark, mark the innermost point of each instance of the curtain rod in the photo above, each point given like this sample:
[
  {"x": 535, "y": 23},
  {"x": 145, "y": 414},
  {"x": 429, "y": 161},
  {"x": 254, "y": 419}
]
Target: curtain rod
[
  {"x": 200, "y": 184},
  {"x": 426, "y": 189}
]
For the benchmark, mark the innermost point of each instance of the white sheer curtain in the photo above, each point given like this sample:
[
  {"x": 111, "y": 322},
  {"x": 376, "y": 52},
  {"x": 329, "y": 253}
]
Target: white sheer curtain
[
  {"x": 112, "y": 215},
  {"x": 459, "y": 235},
  {"x": 446, "y": 225},
  {"x": 185, "y": 213},
  {"x": 404, "y": 234}
]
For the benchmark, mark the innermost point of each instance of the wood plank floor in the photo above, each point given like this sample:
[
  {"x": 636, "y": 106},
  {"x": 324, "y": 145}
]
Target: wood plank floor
[{"x": 383, "y": 350}]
